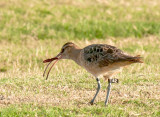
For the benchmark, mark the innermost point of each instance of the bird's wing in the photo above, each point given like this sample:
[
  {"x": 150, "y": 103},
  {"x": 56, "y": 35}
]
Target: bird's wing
[{"x": 103, "y": 54}]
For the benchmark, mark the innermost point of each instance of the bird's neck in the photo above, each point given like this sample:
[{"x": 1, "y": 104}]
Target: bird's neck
[{"x": 75, "y": 55}]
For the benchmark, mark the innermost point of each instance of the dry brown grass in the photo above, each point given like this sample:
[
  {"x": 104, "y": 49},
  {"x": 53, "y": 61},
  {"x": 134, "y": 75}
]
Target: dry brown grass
[{"x": 70, "y": 86}]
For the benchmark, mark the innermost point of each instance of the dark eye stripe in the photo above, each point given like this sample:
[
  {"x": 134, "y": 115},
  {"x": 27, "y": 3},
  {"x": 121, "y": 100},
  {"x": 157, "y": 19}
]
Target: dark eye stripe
[{"x": 64, "y": 49}]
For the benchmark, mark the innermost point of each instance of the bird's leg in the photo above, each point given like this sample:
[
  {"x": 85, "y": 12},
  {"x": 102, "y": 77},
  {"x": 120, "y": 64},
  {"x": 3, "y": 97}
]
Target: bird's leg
[
  {"x": 109, "y": 88},
  {"x": 98, "y": 88},
  {"x": 108, "y": 91}
]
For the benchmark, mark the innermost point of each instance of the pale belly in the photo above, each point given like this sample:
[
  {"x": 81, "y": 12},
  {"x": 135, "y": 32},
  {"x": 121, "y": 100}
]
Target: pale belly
[{"x": 103, "y": 71}]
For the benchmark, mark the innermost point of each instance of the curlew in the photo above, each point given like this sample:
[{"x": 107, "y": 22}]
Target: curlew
[{"x": 98, "y": 59}]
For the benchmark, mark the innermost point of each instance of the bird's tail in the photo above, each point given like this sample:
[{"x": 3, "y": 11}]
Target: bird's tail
[{"x": 134, "y": 59}]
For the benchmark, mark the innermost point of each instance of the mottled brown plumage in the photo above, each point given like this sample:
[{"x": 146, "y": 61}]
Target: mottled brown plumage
[{"x": 103, "y": 55}]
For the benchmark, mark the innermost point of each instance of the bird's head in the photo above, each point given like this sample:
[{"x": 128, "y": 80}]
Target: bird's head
[
  {"x": 67, "y": 49},
  {"x": 65, "y": 52}
]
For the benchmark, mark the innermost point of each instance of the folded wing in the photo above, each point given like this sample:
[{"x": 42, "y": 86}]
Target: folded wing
[{"x": 103, "y": 55}]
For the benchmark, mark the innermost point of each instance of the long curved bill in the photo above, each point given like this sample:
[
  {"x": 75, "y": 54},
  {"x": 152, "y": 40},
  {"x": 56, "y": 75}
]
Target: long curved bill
[{"x": 58, "y": 57}]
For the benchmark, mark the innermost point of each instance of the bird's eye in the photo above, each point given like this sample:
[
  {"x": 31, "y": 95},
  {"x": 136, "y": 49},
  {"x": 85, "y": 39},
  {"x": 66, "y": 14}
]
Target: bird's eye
[{"x": 62, "y": 50}]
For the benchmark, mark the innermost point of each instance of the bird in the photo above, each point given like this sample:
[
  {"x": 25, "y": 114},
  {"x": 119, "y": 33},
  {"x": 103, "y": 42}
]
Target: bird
[{"x": 98, "y": 59}]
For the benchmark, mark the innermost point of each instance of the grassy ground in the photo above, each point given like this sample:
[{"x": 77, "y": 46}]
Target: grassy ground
[{"x": 31, "y": 31}]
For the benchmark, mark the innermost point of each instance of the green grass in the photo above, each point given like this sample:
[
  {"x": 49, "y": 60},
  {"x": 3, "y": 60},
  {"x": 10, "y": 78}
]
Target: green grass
[
  {"x": 31, "y": 31},
  {"x": 50, "y": 111},
  {"x": 54, "y": 20}
]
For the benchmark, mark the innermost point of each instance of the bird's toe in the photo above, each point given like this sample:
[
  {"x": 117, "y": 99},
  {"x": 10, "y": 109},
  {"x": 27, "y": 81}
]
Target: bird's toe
[{"x": 91, "y": 102}]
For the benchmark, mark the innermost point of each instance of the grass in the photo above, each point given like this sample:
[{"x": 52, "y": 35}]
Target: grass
[
  {"x": 82, "y": 20},
  {"x": 31, "y": 31}
]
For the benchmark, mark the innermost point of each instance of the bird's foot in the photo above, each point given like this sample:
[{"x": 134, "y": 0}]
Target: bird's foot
[{"x": 91, "y": 102}]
